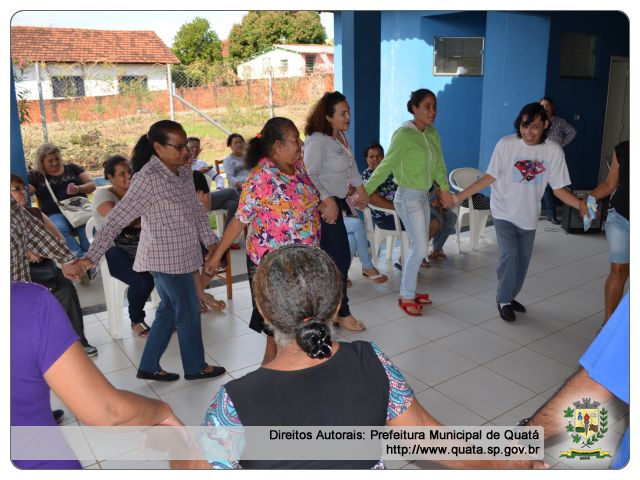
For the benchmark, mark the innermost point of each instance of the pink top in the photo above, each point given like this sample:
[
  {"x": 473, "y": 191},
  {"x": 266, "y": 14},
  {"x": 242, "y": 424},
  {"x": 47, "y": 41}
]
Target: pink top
[{"x": 280, "y": 209}]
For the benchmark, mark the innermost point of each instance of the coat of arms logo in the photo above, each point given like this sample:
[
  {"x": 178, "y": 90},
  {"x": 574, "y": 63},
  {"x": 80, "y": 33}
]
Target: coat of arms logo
[{"x": 587, "y": 425}]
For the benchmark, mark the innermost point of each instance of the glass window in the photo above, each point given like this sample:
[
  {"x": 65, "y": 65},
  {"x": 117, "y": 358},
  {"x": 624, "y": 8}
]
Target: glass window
[
  {"x": 67, "y": 86},
  {"x": 284, "y": 65},
  {"x": 458, "y": 56},
  {"x": 132, "y": 84},
  {"x": 309, "y": 63},
  {"x": 578, "y": 55}
]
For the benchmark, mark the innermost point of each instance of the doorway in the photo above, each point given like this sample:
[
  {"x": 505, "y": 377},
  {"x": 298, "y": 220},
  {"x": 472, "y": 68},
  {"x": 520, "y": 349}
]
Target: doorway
[{"x": 616, "y": 123}]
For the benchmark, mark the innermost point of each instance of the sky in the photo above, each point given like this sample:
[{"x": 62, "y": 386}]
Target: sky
[{"x": 164, "y": 23}]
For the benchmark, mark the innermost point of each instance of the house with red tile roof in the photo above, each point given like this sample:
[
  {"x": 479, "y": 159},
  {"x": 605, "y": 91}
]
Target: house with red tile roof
[
  {"x": 74, "y": 62},
  {"x": 281, "y": 61}
]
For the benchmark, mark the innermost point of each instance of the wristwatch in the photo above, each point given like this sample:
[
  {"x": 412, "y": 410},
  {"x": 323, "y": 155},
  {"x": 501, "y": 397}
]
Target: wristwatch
[{"x": 523, "y": 423}]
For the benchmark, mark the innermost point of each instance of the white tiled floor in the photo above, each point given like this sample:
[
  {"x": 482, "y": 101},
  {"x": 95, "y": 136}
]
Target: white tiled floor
[{"x": 466, "y": 364}]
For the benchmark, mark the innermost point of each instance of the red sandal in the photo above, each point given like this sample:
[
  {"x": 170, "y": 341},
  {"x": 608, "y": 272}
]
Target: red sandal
[
  {"x": 405, "y": 305},
  {"x": 423, "y": 299}
]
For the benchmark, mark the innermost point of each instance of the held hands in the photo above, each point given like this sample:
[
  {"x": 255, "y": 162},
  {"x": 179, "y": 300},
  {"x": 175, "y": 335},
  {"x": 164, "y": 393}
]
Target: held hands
[
  {"x": 330, "y": 210},
  {"x": 75, "y": 269},
  {"x": 212, "y": 260},
  {"x": 448, "y": 199},
  {"x": 34, "y": 257},
  {"x": 362, "y": 199},
  {"x": 584, "y": 209}
]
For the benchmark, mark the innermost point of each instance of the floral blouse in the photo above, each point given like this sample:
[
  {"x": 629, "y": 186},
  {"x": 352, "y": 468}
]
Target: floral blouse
[
  {"x": 280, "y": 209},
  {"x": 386, "y": 190}
]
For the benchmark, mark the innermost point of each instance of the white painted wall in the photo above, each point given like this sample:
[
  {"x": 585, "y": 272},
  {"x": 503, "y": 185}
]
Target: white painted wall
[
  {"x": 256, "y": 67},
  {"x": 99, "y": 79}
]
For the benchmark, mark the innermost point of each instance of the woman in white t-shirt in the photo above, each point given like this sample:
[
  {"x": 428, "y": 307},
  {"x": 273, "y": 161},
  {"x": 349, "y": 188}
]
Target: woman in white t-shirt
[
  {"x": 520, "y": 168},
  {"x": 120, "y": 257}
]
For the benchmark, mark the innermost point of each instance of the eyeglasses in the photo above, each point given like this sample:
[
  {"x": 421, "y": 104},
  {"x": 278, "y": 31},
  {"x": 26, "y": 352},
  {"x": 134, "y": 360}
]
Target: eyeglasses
[
  {"x": 179, "y": 147},
  {"x": 22, "y": 189}
]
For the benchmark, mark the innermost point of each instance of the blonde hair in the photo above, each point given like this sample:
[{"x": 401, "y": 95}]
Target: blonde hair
[{"x": 42, "y": 151}]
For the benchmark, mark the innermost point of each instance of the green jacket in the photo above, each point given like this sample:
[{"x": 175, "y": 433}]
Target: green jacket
[{"x": 414, "y": 158}]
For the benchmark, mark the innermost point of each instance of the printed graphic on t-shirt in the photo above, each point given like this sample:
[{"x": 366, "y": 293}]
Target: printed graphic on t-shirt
[{"x": 528, "y": 171}]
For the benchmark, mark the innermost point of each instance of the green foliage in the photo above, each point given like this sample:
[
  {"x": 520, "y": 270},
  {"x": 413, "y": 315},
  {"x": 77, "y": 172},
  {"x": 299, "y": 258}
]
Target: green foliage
[
  {"x": 569, "y": 427},
  {"x": 568, "y": 413},
  {"x": 575, "y": 438},
  {"x": 202, "y": 72},
  {"x": 259, "y": 30},
  {"x": 24, "y": 115},
  {"x": 197, "y": 41}
]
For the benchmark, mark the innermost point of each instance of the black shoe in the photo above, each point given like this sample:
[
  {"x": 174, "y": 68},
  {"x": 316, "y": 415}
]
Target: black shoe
[
  {"x": 398, "y": 266},
  {"x": 507, "y": 313},
  {"x": 57, "y": 415},
  {"x": 90, "y": 350},
  {"x": 217, "y": 371},
  {"x": 159, "y": 376},
  {"x": 517, "y": 306},
  {"x": 554, "y": 220}
]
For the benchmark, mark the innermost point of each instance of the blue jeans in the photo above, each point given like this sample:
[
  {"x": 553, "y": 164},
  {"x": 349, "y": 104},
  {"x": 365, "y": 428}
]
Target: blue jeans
[
  {"x": 65, "y": 228},
  {"x": 358, "y": 241},
  {"x": 180, "y": 308},
  {"x": 516, "y": 247},
  {"x": 448, "y": 226},
  {"x": 617, "y": 230},
  {"x": 140, "y": 283},
  {"x": 413, "y": 209}
]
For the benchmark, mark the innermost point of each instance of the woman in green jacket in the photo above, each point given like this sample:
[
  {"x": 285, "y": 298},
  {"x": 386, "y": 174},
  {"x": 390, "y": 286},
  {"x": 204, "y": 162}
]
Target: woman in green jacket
[{"x": 415, "y": 159}]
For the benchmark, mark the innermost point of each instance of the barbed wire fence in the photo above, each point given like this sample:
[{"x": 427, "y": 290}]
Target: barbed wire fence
[{"x": 95, "y": 110}]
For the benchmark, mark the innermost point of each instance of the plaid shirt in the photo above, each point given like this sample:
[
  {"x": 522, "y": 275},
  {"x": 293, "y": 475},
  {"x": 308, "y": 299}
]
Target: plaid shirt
[
  {"x": 561, "y": 131},
  {"x": 27, "y": 233},
  {"x": 173, "y": 221}
]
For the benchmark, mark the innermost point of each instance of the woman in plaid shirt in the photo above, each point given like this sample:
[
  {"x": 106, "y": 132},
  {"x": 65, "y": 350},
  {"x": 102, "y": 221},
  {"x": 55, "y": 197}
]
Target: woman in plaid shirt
[{"x": 173, "y": 225}]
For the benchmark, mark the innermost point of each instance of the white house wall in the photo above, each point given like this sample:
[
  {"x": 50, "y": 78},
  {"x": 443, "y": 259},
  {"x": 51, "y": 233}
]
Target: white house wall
[
  {"x": 99, "y": 79},
  {"x": 254, "y": 69}
]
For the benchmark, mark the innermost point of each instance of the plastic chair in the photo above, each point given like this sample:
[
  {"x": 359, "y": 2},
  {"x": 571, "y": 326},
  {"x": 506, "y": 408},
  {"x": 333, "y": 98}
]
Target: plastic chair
[
  {"x": 461, "y": 178},
  {"x": 227, "y": 275},
  {"x": 114, "y": 291},
  {"x": 377, "y": 235}
]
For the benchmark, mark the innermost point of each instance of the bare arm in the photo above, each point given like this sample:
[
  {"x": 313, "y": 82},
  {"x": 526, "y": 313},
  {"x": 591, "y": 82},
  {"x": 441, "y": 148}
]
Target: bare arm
[
  {"x": 480, "y": 184},
  {"x": 91, "y": 398},
  {"x": 568, "y": 198},
  {"x": 87, "y": 185},
  {"x": 609, "y": 185},
  {"x": 550, "y": 415},
  {"x": 105, "y": 207},
  {"x": 212, "y": 261},
  {"x": 378, "y": 200}
]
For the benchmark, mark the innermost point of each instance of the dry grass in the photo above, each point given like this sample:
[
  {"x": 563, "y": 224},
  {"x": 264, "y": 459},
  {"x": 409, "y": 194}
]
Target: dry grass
[{"x": 90, "y": 143}]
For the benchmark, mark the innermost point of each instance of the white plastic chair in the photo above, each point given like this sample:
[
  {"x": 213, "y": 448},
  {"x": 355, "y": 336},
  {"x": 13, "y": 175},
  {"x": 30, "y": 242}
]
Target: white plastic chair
[
  {"x": 377, "y": 235},
  {"x": 114, "y": 291},
  {"x": 461, "y": 178}
]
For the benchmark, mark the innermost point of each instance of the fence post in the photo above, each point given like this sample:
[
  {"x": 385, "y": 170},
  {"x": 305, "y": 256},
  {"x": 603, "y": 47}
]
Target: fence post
[
  {"x": 170, "y": 86},
  {"x": 43, "y": 113},
  {"x": 270, "y": 93}
]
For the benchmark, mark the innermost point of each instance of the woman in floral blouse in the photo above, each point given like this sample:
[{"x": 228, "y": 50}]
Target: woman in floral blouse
[{"x": 279, "y": 203}]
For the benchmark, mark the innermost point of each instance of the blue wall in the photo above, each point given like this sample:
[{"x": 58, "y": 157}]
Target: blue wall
[
  {"x": 585, "y": 98},
  {"x": 515, "y": 62},
  {"x": 358, "y": 76}
]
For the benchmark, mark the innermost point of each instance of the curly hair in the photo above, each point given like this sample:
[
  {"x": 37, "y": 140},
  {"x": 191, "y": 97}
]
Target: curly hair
[
  {"x": 298, "y": 289},
  {"x": 325, "y": 107},
  {"x": 42, "y": 151}
]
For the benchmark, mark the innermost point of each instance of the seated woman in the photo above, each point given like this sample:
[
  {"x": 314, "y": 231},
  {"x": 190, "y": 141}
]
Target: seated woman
[
  {"x": 234, "y": 164},
  {"x": 314, "y": 380},
  {"x": 445, "y": 219},
  {"x": 121, "y": 256},
  {"x": 66, "y": 181},
  {"x": 46, "y": 356},
  {"x": 45, "y": 272},
  {"x": 358, "y": 243}
]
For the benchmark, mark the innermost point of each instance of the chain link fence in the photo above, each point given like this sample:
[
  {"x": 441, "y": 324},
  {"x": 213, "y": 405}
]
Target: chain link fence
[{"x": 92, "y": 111}]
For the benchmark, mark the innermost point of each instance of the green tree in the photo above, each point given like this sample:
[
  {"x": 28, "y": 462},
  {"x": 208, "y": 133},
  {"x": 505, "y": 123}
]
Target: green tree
[
  {"x": 196, "y": 41},
  {"x": 260, "y": 30}
]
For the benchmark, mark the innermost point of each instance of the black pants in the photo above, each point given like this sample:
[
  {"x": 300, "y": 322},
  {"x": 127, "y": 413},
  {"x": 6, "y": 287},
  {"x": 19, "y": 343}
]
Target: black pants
[
  {"x": 65, "y": 292},
  {"x": 226, "y": 198},
  {"x": 335, "y": 242},
  {"x": 257, "y": 322}
]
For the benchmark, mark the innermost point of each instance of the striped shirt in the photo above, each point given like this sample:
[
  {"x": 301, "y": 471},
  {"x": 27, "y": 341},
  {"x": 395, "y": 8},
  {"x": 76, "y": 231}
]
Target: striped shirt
[
  {"x": 561, "y": 131},
  {"x": 27, "y": 233},
  {"x": 173, "y": 221}
]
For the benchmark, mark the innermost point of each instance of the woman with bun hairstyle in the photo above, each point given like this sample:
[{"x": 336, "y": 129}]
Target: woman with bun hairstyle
[
  {"x": 314, "y": 380},
  {"x": 333, "y": 170},
  {"x": 279, "y": 203}
]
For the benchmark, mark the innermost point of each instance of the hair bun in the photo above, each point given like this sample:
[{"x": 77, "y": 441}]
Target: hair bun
[{"x": 315, "y": 339}]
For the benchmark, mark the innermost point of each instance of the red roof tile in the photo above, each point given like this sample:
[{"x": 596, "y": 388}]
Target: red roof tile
[{"x": 75, "y": 45}]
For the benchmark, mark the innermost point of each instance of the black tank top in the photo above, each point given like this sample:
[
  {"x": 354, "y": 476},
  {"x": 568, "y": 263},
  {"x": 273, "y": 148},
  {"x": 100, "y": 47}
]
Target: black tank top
[
  {"x": 620, "y": 199},
  {"x": 351, "y": 388}
]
